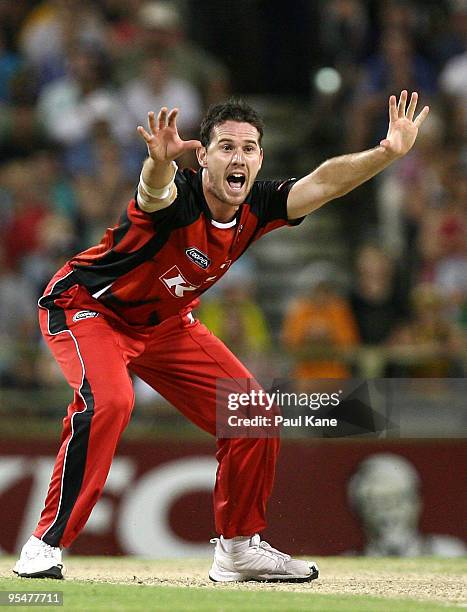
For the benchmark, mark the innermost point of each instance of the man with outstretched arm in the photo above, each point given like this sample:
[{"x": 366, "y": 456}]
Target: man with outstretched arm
[{"x": 125, "y": 305}]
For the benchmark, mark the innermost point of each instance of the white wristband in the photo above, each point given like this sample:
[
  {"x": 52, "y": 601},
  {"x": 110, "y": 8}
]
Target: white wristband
[{"x": 163, "y": 192}]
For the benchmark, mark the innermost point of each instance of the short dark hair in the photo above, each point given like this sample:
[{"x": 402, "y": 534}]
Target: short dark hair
[{"x": 232, "y": 110}]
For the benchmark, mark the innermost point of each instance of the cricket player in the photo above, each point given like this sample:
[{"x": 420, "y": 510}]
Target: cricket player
[{"x": 125, "y": 305}]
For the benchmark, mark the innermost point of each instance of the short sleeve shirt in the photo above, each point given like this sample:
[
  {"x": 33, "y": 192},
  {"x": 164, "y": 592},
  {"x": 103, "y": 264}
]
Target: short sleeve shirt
[{"x": 151, "y": 266}]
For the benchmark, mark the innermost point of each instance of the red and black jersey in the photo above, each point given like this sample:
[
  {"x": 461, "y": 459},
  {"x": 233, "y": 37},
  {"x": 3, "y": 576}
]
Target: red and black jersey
[{"x": 151, "y": 266}]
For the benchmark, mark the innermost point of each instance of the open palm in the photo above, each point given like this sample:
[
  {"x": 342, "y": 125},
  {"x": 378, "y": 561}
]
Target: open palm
[
  {"x": 163, "y": 142},
  {"x": 403, "y": 128}
]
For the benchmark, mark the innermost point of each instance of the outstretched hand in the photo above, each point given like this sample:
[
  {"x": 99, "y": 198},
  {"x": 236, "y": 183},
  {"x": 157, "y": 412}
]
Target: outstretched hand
[
  {"x": 163, "y": 142},
  {"x": 403, "y": 128}
]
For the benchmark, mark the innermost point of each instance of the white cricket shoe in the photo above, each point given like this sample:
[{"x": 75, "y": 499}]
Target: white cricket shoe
[
  {"x": 39, "y": 560},
  {"x": 253, "y": 559}
]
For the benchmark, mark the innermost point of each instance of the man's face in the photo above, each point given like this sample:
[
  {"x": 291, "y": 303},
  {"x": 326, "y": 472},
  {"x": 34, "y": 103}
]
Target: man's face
[{"x": 232, "y": 161}]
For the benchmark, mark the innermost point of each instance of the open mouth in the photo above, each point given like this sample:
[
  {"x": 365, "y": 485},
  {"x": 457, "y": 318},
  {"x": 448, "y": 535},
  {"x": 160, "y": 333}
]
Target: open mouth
[{"x": 236, "y": 181}]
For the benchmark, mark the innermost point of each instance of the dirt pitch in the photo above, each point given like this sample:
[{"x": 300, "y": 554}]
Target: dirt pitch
[{"x": 422, "y": 579}]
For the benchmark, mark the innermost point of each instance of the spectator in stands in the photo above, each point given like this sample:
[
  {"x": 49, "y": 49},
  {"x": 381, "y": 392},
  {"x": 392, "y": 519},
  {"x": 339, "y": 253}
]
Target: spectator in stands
[
  {"x": 442, "y": 237},
  {"x": 344, "y": 32},
  {"x": 73, "y": 106},
  {"x": 374, "y": 299},
  {"x": 100, "y": 193},
  {"x": 52, "y": 28},
  {"x": 407, "y": 193},
  {"x": 56, "y": 229},
  {"x": 453, "y": 84},
  {"x": 385, "y": 493},
  {"x": 430, "y": 343},
  {"x": 24, "y": 209},
  {"x": 51, "y": 181},
  {"x": 423, "y": 216},
  {"x": 20, "y": 131},
  {"x": 161, "y": 28},
  {"x": 318, "y": 329},
  {"x": 395, "y": 64},
  {"x": 450, "y": 36},
  {"x": 410, "y": 16},
  {"x": 450, "y": 272},
  {"x": 121, "y": 25},
  {"x": 155, "y": 87}
]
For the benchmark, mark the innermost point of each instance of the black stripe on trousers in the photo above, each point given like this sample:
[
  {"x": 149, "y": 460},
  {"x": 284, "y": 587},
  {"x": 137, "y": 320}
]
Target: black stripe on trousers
[{"x": 77, "y": 448}]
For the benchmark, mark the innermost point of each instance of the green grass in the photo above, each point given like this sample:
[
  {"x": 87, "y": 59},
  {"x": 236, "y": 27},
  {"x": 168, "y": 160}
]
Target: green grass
[
  {"x": 101, "y": 596},
  {"x": 202, "y": 596}
]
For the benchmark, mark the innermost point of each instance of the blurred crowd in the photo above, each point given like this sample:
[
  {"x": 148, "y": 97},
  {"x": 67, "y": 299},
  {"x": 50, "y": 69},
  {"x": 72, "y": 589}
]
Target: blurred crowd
[{"x": 76, "y": 78}]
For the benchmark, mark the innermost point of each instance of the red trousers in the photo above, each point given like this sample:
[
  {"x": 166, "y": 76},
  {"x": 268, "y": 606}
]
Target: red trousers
[{"x": 179, "y": 358}]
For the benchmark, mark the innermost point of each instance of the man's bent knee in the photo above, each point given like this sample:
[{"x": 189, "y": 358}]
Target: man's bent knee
[{"x": 117, "y": 404}]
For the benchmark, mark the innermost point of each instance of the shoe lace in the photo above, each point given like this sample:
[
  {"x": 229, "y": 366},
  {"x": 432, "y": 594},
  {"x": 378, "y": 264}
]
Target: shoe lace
[{"x": 272, "y": 552}]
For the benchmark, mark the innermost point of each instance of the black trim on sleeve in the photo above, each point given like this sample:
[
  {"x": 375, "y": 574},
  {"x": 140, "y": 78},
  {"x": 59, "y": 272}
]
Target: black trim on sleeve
[{"x": 269, "y": 201}]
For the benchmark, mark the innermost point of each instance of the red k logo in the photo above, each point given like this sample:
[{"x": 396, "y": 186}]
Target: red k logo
[{"x": 175, "y": 282}]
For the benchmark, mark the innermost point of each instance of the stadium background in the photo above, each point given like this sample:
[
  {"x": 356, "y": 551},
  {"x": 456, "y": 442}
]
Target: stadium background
[{"x": 380, "y": 273}]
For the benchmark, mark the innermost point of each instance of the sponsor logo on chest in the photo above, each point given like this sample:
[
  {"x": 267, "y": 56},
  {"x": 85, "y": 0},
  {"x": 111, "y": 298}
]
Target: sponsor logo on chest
[
  {"x": 175, "y": 282},
  {"x": 85, "y": 314},
  {"x": 198, "y": 258}
]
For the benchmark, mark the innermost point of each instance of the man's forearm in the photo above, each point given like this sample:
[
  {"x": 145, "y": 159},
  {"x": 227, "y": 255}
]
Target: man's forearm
[
  {"x": 157, "y": 174},
  {"x": 156, "y": 188},
  {"x": 336, "y": 177},
  {"x": 340, "y": 175}
]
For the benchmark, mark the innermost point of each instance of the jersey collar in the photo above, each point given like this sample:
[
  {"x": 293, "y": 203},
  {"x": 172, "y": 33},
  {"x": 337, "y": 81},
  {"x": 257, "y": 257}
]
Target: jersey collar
[{"x": 226, "y": 225}]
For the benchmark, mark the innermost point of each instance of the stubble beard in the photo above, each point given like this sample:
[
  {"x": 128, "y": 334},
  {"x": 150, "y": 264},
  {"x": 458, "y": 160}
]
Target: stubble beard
[{"x": 222, "y": 196}]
